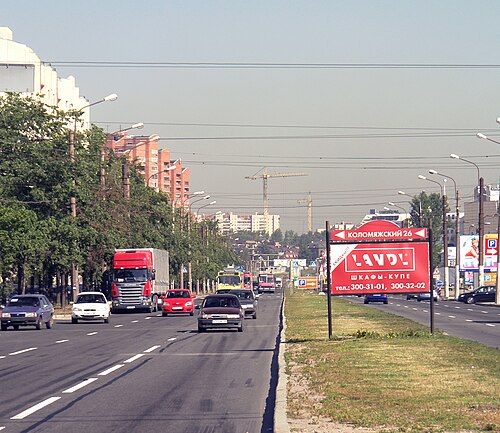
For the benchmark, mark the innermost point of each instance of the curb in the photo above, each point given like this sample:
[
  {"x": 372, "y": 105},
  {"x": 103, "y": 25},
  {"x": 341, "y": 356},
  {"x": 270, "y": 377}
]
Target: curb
[{"x": 280, "y": 411}]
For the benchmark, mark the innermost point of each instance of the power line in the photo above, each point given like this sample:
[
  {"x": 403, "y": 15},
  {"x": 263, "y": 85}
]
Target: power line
[{"x": 264, "y": 65}]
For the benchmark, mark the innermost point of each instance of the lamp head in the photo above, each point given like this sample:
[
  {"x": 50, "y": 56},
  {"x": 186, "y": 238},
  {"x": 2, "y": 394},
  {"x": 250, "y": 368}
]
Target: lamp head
[
  {"x": 422, "y": 177},
  {"x": 112, "y": 97},
  {"x": 479, "y": 135},
  {"x": 401, "y": 193},
  {"x": 433, "y": 171},
  {"x": 391, "y": 203},
  {"x": 206, "y": 197},
  {"x": 454, "y": 156},
  {"x": 139, "y": 125}
]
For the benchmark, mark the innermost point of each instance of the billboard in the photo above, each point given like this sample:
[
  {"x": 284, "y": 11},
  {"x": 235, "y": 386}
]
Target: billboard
[
  {"x": 379, "y": 268},
  {"x": 469, "y": 252}
]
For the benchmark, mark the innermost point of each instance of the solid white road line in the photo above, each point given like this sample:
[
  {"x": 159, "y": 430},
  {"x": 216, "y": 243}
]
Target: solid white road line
[
  {"x": 135, "y": 357},
  {"x": 61, "y": 341},
  {"x": 92, "y": 333},
  {"x": 118, "y": 326},
  {"x": 151, "y": 349},
  {"x": 110, "y": 370},
  {"x": 172, "y": 339},
  {"x": 35, "y": 408},
  {"x": 23, "y": 351},
  {"x": 80, "y": 385}
]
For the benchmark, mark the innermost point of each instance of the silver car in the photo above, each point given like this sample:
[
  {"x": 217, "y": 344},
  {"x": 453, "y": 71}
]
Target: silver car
[{"x": 248, "y": 301}]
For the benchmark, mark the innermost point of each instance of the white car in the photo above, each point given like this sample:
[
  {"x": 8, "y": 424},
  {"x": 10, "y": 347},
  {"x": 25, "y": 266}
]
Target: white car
[{"x": 90, "y": 306}]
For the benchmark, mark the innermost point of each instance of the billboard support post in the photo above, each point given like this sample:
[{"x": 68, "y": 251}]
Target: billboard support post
[
  {"x": 431, "y": 285},
  {"x": 328, "y": 281}
]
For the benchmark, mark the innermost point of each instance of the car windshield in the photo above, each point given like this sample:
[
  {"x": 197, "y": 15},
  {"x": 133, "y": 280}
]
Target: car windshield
[
  {"x": 130, "y": 275},
  {"x": 90, "y": 299},
  {"x": 178, "y": 294},
  {"x": 29, "y": 301},
  {"x": 242, "y": 294},
  {"x": 221, "y": 302}
]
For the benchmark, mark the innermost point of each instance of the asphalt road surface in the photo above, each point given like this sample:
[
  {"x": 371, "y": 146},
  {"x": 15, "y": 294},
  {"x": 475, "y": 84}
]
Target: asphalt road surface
[
  {"x": 141, "y": 373},
  {"x": 478, "y": 322}
]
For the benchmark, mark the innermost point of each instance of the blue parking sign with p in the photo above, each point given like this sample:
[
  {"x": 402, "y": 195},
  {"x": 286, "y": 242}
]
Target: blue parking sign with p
[
  {"x": 492, "y": 243},
  {"x": 302, "y": 283}
]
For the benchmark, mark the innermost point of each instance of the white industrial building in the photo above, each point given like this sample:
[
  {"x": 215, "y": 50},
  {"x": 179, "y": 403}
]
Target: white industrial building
[{"x": 21, "y": 70}]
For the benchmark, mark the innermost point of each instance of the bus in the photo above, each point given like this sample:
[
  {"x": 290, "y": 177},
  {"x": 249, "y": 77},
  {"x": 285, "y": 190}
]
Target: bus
[
  {"x": 230, "y": 280},
  {"x": 267, "y": 283},
  {"x": 247, "y": 280}
]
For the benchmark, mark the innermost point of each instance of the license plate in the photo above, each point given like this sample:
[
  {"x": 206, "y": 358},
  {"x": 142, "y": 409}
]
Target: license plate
[
  {"x": 219, "y": 321},
  {"x": 176, "y": 308},
  {"x": 130, "y": 307}
]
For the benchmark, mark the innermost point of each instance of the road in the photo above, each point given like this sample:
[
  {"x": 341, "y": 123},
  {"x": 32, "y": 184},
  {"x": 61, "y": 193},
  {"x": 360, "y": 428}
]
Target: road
[
  {"x": 479, "y": 322},
  {"x": 141, "y": 373}
]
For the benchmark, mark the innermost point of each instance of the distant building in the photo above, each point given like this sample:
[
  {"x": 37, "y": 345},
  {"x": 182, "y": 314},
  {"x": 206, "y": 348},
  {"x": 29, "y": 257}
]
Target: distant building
[
  {"x": 387, "y": 215},
  {"x": 21, "y": 70},
  {"x": 154, "y": 164},
  {"x": 232, "y": 223}
]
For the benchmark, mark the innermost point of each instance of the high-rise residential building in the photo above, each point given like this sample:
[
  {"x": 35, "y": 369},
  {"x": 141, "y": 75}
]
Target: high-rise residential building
[
  {"x": 154, "y": 164},
  {"x": 21, "y": 70},
  {"x": 231, "y": 223}
]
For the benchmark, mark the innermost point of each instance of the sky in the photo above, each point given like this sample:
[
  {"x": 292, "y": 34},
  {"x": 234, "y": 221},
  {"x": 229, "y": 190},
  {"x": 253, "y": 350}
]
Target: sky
[{"x": 362, "y": 96}]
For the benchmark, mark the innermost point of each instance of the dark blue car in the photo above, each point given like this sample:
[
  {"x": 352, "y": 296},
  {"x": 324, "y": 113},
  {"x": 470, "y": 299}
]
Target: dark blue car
[
  {"x": 27, "y": 310},
  {"x": 376, "y": 297}
]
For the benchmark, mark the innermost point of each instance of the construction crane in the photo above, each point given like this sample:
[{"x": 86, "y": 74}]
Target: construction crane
[
  {"x": 309, "y": 202},
  {"x": 265, "y": 176}
]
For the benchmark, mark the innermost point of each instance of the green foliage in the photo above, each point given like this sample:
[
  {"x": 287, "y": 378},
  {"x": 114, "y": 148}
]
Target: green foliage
[{"x": 37, "y": 180}]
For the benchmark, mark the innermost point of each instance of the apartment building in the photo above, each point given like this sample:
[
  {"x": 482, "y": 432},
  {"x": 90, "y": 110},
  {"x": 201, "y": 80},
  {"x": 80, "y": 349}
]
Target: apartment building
[
  {"x": 231, "y": 223},
  {"x": 159, "y": 170}
]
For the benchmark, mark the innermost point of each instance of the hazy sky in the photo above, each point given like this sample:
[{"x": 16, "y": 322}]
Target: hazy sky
[{"x": 295, "y": 86}]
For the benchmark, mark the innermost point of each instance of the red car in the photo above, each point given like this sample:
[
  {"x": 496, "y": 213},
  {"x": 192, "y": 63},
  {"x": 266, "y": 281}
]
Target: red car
[{"x": 178, "y": 301}]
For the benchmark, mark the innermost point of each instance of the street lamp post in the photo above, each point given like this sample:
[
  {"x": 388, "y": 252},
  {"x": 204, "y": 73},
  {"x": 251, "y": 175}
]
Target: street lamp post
[
  {"x": 457, "y": 232},
  {"x": 205, "y": 205},
  {"x": 480, "y": 181},
  {"x": 497, "y": 296},
  {"x": 445, "y": 236},
  {"x": 402, "y": 208},
  {"x": 72, "y": 135}
]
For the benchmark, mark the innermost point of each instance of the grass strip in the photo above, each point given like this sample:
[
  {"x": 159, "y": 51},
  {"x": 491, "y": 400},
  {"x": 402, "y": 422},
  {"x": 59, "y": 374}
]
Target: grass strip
[{"x": 386, "y": 372}]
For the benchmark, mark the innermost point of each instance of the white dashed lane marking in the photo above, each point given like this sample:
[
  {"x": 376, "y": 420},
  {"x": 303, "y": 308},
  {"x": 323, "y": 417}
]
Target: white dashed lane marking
[
  {"x": 134, "y": 358},
  {"x": 23, "y": 351},
  {"x": 118, "y": 326},
  {"x": 151, "y": 349},
  {"x": 490, "y": 324},
  {"x": 452, "y": 317},
  {"x": 61, "y": 341},
  {"x": 80, "y": 385},
  {"x": 134, "y": 321},
  {"x": 147, "y": 318},
  {"x": 35, "y": 408},
  {"x": 110, "y": 370},
  {"x": 172, "y": 339}
]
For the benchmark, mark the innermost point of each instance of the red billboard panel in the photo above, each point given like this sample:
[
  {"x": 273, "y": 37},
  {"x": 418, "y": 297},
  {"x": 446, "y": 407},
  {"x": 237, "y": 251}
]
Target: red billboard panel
[
  {"x": 375, "y": 231},
  {"x": 379, "y": 268}
]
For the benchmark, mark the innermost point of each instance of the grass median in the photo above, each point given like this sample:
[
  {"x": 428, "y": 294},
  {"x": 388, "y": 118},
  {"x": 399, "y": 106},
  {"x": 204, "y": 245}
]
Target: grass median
[{"x": 385, "y": 372}]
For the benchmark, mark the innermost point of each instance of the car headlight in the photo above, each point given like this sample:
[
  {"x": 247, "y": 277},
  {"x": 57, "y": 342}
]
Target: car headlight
[
  {"x": 6, "y": 315},
  {"x": 233, "y": 316},
  {"x": 166, "y": 303},
  {"x": 205, "y": 316},
  {"x": 77, "y": 309},
  {"x": 188, "y": 304},
  {"x": 30, "y": 315}
]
